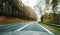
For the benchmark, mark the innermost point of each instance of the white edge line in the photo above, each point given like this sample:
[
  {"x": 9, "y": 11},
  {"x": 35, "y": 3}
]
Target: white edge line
[
  {"x": 23, "y": 27},
  {"x": 46, "y": 29},
  {"x": 31, "y": 23}
]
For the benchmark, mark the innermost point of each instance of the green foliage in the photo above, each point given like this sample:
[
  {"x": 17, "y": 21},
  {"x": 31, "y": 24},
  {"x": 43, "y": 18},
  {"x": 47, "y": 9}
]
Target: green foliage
[
  {"x": 56, "y": 28},
  {"x": 46, "y": 20}
]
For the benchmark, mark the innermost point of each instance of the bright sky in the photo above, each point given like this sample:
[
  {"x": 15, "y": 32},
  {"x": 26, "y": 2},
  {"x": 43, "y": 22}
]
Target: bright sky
[{"x": 30, "y": 3}]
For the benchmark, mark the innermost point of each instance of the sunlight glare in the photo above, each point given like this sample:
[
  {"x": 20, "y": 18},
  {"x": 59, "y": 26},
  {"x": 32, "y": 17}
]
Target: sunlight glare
[{"x": 30, "y": 3}]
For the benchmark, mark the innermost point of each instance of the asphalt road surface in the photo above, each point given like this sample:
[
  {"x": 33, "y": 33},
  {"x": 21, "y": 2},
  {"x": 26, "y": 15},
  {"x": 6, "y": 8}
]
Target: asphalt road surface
[{"x": 24, "y": 28}]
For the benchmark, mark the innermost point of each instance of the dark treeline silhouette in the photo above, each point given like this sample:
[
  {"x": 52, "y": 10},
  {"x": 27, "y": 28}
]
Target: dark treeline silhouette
[{"x": 8, "y": 9}]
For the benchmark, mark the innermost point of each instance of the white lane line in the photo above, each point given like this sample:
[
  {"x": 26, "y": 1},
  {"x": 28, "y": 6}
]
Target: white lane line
[
  {"x": 46, "y": 29},
  {"x": 23, "y": 27}
]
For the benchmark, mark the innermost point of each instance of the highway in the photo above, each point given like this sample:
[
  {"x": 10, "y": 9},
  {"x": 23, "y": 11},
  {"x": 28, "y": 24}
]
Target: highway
[{"x": 24, "y": 28}]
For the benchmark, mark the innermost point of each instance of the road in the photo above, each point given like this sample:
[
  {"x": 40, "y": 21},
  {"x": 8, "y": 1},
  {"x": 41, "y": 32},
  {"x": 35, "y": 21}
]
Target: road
[
  {"x": 24, "y": 28},
  {"x": 12, "y": 26}
]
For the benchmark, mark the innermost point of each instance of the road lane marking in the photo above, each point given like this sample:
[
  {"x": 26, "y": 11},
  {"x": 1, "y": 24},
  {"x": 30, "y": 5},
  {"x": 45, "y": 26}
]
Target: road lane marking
[
  {"x": 32, "y": 23},
  {"x": 23, "y": 27},
  {"x": 46, "y": 29}
]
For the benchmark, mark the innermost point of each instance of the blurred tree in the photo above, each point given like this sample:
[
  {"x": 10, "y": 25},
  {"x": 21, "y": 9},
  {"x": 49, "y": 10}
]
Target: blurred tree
[{"x": 56, "y": 18}]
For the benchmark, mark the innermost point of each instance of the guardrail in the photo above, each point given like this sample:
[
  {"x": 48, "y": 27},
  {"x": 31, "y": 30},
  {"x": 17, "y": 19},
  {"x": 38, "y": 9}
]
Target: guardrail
[{"x": 53, "y": 25}]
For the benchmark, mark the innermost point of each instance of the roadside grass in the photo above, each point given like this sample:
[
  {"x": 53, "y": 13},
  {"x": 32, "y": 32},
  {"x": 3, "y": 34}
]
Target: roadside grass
[
  {"x": 46, "y": 20},
  {"x": 56, "y": 28}
]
